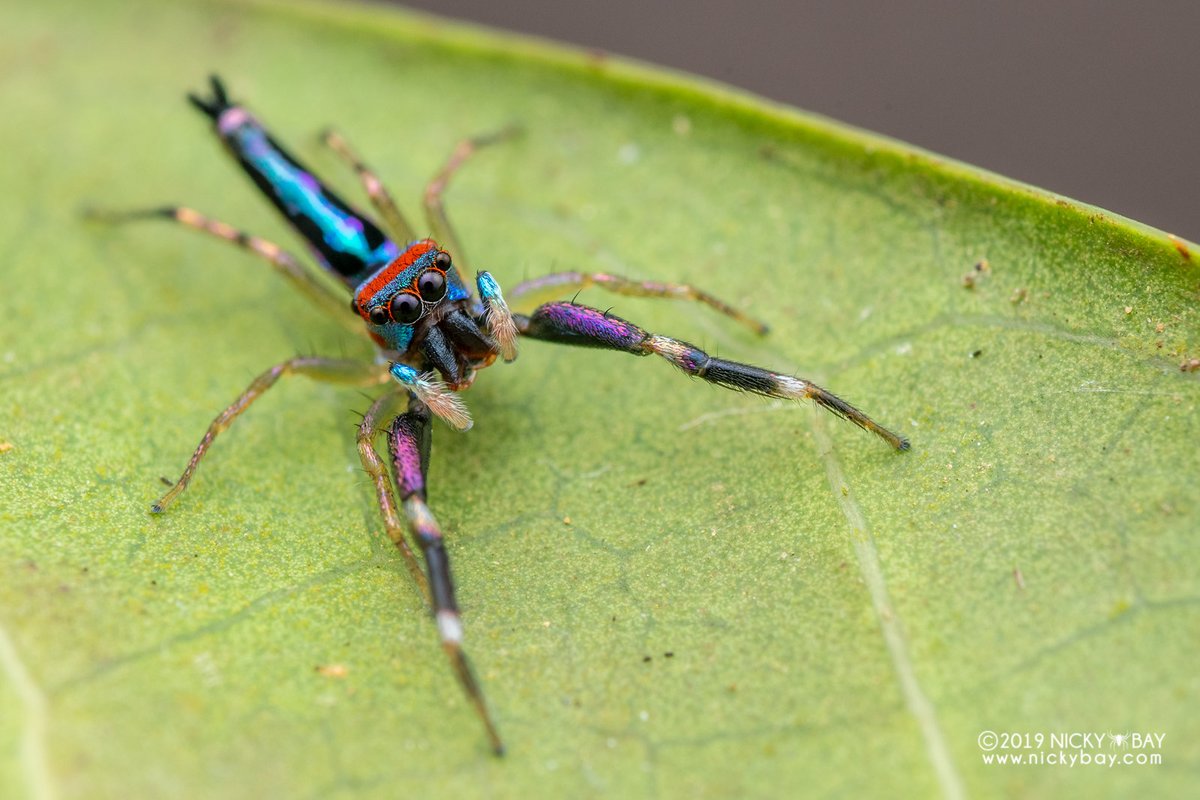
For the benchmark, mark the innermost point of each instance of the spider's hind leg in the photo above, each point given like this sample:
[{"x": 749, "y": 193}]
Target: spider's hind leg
[
  {"x": 283, "y": 262},
  {"x": 380, "y": 197},
  {"x": 435, "y": 209}
]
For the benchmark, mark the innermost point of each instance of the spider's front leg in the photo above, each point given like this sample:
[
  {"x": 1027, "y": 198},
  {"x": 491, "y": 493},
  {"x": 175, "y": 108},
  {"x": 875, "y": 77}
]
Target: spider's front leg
[
  {"x": 570, "y": 323},
  {"x": 408, "y": 444}
]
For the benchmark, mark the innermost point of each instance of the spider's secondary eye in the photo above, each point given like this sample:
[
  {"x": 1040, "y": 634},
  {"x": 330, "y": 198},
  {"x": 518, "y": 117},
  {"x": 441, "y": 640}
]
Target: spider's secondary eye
[
  {"x": 442, "y": 260},
  {"x": 406, "y": 308},
  {"x": 431, "y": 285},
  {"x": 378, "y": 315}
]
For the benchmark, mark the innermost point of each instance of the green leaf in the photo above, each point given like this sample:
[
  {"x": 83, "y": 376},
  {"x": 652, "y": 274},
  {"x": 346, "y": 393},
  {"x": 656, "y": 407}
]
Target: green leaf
[{"x": 669, "y": 589}]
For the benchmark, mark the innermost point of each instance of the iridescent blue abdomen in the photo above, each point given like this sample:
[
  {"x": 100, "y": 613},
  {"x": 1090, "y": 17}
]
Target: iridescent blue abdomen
[{"x": 344, "y": 240}]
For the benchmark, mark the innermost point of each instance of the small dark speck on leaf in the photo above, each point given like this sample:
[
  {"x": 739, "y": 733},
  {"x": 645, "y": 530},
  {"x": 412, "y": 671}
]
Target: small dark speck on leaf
[
  {"x": 971, "y": 279},
  {"x": 166, "y": 481},
  {"x": 976, "y": 353},
  {"x": 646, "y": 659},
  {"x": 669, "y": 654}
]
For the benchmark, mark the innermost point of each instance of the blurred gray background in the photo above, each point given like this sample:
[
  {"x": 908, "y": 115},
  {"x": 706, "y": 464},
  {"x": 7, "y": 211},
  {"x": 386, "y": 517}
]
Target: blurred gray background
[{"x": 1095, "y": 100}]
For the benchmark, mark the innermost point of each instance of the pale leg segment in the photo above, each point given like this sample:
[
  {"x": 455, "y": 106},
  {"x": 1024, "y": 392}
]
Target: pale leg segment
[{"x": 334, "y": 370}]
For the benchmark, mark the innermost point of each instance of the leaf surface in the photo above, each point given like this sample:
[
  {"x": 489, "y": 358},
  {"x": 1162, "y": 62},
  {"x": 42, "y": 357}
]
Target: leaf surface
[{"x": 669, "y": 590}]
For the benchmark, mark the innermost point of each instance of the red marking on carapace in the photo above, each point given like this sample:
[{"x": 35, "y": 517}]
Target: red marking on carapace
[{"x": 388, "y": 273}]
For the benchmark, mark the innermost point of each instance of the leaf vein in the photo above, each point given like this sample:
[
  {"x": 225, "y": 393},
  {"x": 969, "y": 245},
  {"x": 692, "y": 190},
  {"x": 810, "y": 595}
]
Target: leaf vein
[
  {"x": 889, "y": 621},
  {"x": 33, "y": 757}
]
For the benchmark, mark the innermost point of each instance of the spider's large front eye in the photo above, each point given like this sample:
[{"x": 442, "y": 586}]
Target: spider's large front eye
[
  {"x": 378, "y": 315},
  {"x": 406, "y": 308},
  {"x": 442, "y": 260},
  {"x": 431, "y": 285}
]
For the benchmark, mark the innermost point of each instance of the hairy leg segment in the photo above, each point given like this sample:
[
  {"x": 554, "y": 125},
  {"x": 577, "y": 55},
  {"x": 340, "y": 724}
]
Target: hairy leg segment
[
  {"x": 435, "y": 209},
  {"x": 380, "y": 197},
  {"x": 561, "y": 281},
  {"x": 570, "y": 323},
  {"x": 408, "y": 444},
  {"x": 283, "y": 262},
  {"x": 334, "y": 370}
]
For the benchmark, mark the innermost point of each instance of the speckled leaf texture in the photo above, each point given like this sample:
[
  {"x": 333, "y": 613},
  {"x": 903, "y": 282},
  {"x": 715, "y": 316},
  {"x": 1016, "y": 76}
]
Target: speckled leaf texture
[{"x": 670, "y": 590}]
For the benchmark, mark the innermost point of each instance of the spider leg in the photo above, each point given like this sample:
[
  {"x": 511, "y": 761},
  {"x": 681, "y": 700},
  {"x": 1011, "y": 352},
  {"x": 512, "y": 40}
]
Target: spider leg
[
  {"x": 368, "y": 429},
  {"x": 435, "y": 210},
  {"x": 334, "y": 370},
  {"x": 569, "y": 323},
  {"x": 408, "y": 443},
  {"x": 380, "y": 197},
  {"x": 561, "y": 282},
  {"x": 284, "y": 263}
]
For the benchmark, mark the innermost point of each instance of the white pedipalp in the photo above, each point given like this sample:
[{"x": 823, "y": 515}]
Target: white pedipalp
[{"x": 431, "y": 390}]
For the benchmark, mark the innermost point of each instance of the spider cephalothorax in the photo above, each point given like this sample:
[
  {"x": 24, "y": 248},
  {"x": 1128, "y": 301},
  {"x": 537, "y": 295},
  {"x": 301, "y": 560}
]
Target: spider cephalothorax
[{"x": 418, "y": 307}]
